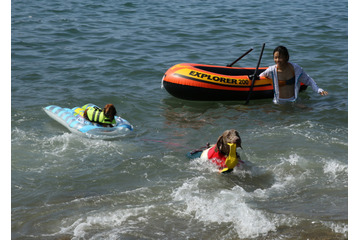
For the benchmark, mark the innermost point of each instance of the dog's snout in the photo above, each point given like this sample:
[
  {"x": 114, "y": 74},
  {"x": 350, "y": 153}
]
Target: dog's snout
[{"x": 236, "y": 140}]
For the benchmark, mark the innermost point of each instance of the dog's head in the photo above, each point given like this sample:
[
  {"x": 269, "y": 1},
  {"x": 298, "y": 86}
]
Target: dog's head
[
  {"x": 228, "y": 136},
  {"x": 109, "y": 111}
]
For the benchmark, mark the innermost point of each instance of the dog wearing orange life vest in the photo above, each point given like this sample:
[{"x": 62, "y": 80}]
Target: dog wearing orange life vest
[{"x": 219, "y": 152}]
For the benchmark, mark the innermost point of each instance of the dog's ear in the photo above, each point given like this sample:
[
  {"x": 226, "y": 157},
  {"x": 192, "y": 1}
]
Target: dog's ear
[
  {"x": 106, "y": 109},
  {"x": 238, "y": 142},
  {"x": 219, "y": 144},
  {"x": 113, "y": 109}
]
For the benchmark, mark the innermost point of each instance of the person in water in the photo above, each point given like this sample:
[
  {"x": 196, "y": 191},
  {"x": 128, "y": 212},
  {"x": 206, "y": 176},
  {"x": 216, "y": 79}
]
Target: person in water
[{"x": 287, "y": 76}]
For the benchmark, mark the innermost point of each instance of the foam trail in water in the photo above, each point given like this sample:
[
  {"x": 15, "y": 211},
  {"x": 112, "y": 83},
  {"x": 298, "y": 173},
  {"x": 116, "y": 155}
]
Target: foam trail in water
[
  {"x": 225, "y": 206},
  {"x": 111, "y": 223}
]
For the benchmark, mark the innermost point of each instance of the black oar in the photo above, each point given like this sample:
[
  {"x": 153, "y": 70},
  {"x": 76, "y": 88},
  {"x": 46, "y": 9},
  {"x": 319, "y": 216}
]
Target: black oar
[
  {"x": 254, "y": 76},
  {"x": 230, "y": 65}
]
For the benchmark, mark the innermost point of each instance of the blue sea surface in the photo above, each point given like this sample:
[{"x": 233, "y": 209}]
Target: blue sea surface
[{"x": 294, "y": 184}]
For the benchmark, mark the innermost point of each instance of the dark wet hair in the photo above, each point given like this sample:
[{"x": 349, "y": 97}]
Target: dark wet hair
[{"x": 282, "y": 51}]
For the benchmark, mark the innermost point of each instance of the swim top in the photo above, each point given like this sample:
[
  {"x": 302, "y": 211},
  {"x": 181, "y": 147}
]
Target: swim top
[{"x": 290, "y": 81}]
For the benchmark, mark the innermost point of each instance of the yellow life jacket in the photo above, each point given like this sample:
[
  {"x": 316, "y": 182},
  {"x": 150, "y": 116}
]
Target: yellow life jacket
[{"x": 95, "y": 114}]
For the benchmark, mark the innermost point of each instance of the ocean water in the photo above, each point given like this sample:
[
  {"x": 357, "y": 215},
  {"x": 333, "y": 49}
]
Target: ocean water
[{"x": 294, "y": 184}]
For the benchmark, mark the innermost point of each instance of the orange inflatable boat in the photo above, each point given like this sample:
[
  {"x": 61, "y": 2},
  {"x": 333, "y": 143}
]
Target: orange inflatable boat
[{"x": 201, "y": 82}]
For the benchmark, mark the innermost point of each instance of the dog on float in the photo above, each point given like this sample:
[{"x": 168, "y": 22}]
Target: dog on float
[{"x": 105, "y": 117}]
